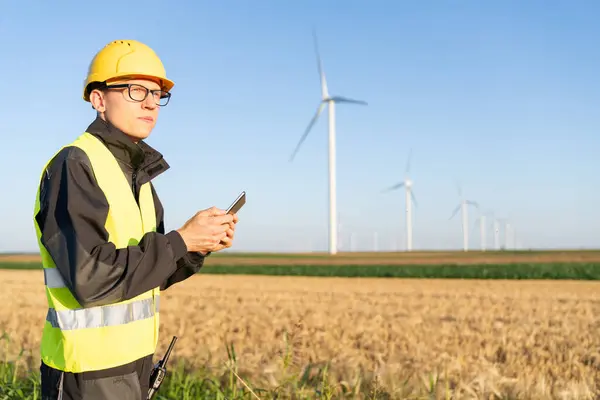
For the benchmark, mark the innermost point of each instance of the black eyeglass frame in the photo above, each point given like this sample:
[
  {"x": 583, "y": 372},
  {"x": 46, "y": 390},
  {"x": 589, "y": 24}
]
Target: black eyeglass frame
[{"x": 164, "y": 94}]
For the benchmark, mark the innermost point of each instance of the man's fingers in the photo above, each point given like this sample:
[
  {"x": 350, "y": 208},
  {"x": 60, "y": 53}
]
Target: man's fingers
[
  {"x": 215, "y": 227},
  {"x": 217, "y": 239},
  {"x": 223, "y": 219},
  {"x": 211, "y": 212},
  {"x": 219, "y": 230},
  {"x": 226, "y": 239},
  {"x": 216, "y": 211}
]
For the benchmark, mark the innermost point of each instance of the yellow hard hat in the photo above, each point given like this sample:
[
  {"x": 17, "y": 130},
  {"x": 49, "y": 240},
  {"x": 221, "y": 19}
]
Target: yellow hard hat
[{"x": 126, "y": 58}]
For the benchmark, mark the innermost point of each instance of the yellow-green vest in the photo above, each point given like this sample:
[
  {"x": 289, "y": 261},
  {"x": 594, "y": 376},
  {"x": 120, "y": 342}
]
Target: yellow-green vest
[{"x": 77, "y": 339}]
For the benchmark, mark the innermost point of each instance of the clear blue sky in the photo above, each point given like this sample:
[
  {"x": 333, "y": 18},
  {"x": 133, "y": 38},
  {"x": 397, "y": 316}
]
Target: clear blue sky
[{"x": 502, "y": 96}]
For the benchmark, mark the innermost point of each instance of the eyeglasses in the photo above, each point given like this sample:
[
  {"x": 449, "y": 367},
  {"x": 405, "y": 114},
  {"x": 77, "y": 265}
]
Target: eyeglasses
[{"x": 139, "y": 93}]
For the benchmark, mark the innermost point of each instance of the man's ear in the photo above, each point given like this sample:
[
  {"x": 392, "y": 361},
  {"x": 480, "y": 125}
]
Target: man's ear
[{"x": 97, "y": 100}]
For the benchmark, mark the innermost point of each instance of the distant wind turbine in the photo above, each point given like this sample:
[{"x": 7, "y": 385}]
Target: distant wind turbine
[
  {"x": 330, "y": 101},
  {"x": 462, "y": 206},
  {"x": 496, "y": 234},
  {"x": 407, "y": 183},
  {"x": 482, "y": 228},
  {"x": 506, "y": 231}
]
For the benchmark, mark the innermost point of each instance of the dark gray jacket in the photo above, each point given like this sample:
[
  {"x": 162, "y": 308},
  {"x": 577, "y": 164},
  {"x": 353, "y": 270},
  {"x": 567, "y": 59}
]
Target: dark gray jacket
[{"x": 72, "y": 213}]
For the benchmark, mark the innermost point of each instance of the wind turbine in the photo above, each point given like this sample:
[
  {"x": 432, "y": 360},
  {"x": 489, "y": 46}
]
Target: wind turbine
[
  {"x": 506, "y": 231},
  {"x": 327, "y": 100},
  {"x": 496, "y": 234},
  {"x": 465, "y": 219},
  {"x": 407, "y": 183},
  {"x": 482, "y": 228},
  {"x": 376, "y": 241}
]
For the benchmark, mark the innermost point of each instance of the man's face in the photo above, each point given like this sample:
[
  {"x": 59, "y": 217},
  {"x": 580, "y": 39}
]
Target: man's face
[{"x": 135, "y": 118}]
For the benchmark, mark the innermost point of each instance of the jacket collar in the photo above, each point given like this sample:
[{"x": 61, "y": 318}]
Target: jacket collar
[{"x": 138, "y": 157}]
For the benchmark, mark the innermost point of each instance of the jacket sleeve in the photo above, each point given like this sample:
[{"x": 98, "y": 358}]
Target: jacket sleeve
[
  {"x": 189, "y": 264},
  {"x": 73, "y": 210}
]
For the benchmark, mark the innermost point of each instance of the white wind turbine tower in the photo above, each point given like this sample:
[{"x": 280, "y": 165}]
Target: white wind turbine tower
[
  {"x": 482, "y": 227},
  {"x": 407, "y": 183},
  {"x": 330, "y": 101},
  {"x": 465, "y": 219},
  {"x": 496, "y": 234},
  {"x": 507, "y": 228},
  {"x": 376, "y": 241}
]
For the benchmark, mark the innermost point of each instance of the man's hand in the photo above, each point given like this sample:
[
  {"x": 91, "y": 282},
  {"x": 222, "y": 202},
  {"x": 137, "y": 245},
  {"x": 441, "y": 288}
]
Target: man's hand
[
  {"x": 206, "y": 230},
  {"x": 227, "y": 241}
]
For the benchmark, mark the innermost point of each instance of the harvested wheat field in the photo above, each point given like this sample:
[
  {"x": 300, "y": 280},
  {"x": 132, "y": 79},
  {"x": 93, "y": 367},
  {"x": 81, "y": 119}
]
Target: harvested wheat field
[{"x": 523, "y": 339}]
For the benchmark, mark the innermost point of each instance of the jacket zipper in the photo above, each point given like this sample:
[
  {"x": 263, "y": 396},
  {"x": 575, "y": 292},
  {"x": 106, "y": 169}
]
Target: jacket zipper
[{"x": 134, "y": 186}]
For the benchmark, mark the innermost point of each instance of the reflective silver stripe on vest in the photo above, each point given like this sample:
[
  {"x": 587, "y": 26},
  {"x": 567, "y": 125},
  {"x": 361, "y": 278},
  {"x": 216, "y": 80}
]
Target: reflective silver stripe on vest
[
  {"x": 53, "y": 279},
  {"x": 98, "y": 317}
]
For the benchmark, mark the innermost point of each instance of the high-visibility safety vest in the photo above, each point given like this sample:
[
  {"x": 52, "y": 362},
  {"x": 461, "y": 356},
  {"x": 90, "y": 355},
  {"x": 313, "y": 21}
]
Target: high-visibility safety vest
[{"x": 77, "y": 339}]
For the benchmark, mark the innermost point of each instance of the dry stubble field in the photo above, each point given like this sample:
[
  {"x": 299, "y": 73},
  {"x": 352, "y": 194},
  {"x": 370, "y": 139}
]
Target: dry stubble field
[{"x": 527, "y": 339}]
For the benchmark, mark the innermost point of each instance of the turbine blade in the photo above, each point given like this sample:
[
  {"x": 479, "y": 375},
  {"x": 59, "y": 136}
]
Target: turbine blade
[
  {"x": 308, "y": 128},
  {"x": 324, "y": 91},
  {"x": 455, "y": 211},
  {"x": 414, "y": 199},
  {"x": 396, "y": 186},
  {"x": 473, "y": 203},
  {"x": 341, "y": 99},
  {"x": 408, "y": 161},
  {"x": 458, "y": 188}
]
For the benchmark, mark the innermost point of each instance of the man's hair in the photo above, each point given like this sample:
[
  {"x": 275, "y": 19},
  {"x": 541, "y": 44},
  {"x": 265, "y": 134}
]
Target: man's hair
[{"x": 93, "y": 86}]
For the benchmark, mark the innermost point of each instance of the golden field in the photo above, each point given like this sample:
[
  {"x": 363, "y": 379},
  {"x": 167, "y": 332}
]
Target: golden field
[{"x": 526, "y": 339}]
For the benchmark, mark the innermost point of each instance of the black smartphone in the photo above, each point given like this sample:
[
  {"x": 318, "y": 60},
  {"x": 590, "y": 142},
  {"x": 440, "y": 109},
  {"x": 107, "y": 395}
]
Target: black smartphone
[{"x": 237, "y": 204}]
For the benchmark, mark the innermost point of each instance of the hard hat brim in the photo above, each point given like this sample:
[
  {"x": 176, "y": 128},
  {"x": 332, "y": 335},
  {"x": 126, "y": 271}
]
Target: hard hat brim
[{"x": 165, "y": 83}]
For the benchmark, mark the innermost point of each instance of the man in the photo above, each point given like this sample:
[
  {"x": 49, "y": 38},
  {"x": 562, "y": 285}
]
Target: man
[{"x": 100, "y": 229}]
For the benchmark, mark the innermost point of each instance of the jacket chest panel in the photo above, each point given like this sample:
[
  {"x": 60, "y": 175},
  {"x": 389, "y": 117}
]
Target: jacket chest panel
[{"x": 126, "y": 221}]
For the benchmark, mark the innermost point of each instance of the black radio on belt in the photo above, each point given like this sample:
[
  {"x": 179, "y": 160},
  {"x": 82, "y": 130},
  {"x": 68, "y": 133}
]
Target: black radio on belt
[{"x": 159, "y": 371}]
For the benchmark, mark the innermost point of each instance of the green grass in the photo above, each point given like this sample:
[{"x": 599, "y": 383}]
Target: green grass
[
  {"x": 575, "y": 271},
  {"x": 387, "y": 254},
  {"x": 185, "y": 383},
  {"x": 20, "y": 265},
  {"x": 582, "y": 271}
]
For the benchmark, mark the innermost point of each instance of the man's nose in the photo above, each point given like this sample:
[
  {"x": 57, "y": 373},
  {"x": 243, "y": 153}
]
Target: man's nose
[{"x": 149, "y": 102}]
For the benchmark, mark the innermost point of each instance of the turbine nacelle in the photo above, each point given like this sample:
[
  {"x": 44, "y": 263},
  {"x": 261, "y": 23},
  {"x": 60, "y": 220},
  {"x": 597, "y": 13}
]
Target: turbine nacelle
[{"x": 341, "y": 99}]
